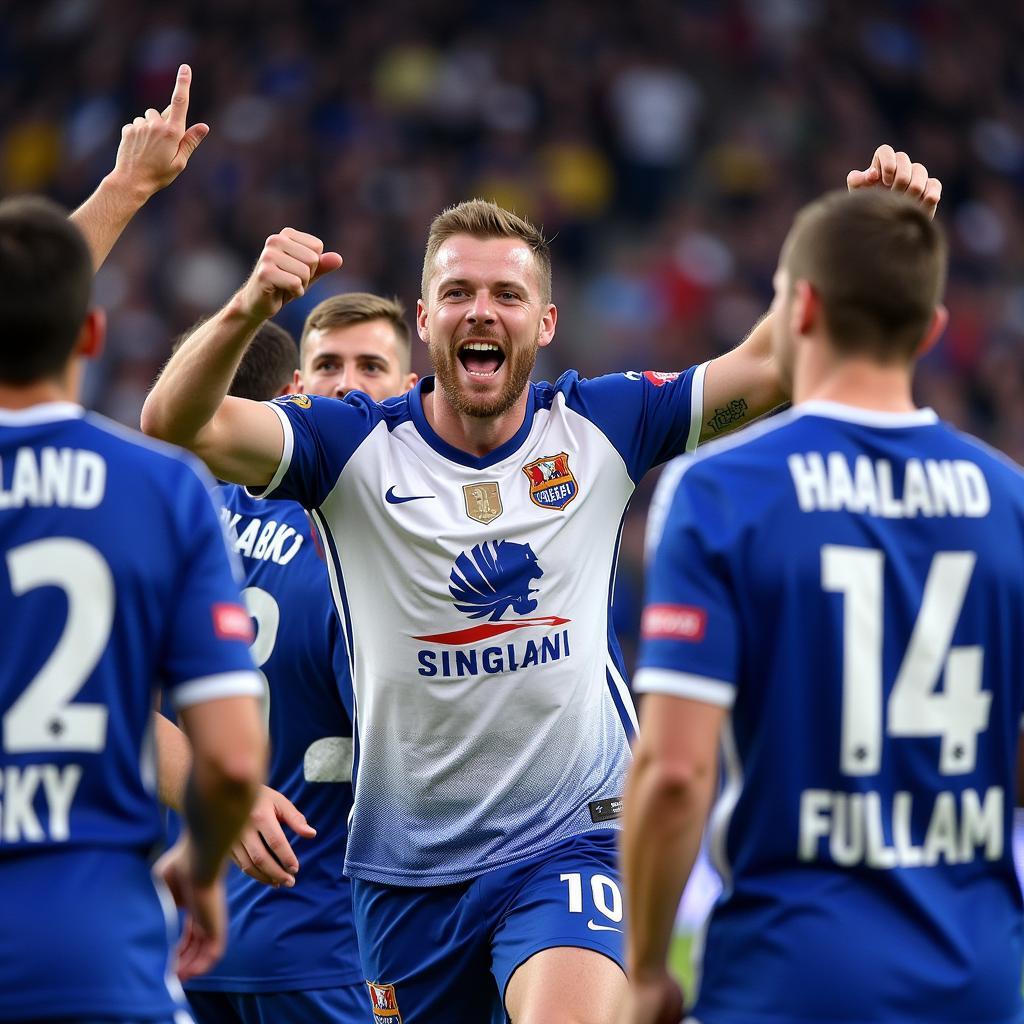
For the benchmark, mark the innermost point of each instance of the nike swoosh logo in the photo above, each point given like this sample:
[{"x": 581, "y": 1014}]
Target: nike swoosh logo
[
  {"x": 393, "y": 499},
  {"x": 602, "y": 927}
]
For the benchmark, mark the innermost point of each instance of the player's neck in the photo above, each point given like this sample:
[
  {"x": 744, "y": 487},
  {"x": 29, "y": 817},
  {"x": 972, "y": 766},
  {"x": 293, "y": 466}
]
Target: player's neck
[
  {"x": 858, "y": 382},
  {"x": 477, "y": 435},
  {"x": 38, "y": 393}
]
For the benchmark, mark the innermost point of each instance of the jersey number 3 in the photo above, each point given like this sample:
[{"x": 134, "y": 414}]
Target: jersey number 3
[{"x": 916, "y": 707}]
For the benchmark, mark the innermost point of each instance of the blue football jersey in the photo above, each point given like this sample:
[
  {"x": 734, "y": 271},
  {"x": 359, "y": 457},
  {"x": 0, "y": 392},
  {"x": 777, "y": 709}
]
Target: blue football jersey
[
  {"x": 850, "y": 585},
  {"x": 492, "y": 714},
  {"x": 115, "y": 584},
  {"x": 303, "y": 937}
]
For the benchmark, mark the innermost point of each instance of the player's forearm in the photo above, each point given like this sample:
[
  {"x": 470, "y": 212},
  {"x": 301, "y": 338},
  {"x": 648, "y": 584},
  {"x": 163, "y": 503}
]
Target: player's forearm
[
  {"x": 664, "y": 817},
  {"x": 106, "y": 213},
  {"x": 194, "y": 383},
  {"x": 173, "y": 762}
]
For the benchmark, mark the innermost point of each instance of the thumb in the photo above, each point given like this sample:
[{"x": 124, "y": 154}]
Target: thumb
[
  {"x": 191, "y": 139},
  {"x": 328, "y": 261},
  {"x": 288, "y": 813},
  {"x": 860, "y": 179}
]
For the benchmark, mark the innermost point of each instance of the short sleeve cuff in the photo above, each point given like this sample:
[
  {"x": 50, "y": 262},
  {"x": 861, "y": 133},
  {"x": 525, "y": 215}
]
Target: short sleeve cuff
[
  {"x": 224, "y": 684},
  {"x": 696, "y": 407},
  {"x": 683, "y": 684},
  {"x": 286, "y": 456}
]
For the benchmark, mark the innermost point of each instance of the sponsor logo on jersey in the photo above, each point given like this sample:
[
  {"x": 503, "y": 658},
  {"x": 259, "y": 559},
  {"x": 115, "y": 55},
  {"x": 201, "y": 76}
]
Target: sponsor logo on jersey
[
  {"x": 673, "y": 622},
  {"x": 656, "y": 377},
  {"x": 552, "y": 484},
  {"x": 232, "y": 622},
  {"x": 483, "y": 501},
  {"x": 384, "y": 1002},
  {"x": 302, "y": 401},
  {"x": 494, "y": 581}
]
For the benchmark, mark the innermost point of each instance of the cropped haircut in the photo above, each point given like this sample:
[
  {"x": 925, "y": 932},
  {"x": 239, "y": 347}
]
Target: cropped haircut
[
  {"x": 267, "y": 366},
  {"x": 359, "y": 308},
  {"x": 878, "y": 263},
  {"x": 481, "y": 219},
  {"x": 45, "y": 282}
]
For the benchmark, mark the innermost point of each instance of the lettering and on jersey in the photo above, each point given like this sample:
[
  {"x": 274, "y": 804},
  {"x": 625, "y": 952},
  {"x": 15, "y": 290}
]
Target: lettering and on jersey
[
  {"x": 304, "y": 937},
  {"x": 850, "y": 585},
  {"x": 115, "y": 584},
  {"x": 491, "y": 709}
]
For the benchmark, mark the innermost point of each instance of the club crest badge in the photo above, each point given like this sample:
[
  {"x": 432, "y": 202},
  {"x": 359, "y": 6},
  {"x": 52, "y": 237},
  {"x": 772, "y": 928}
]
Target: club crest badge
[
  {"x": 552, "y": 484},
  {"x": 483, "y": 501},
  {"x": 384, "y": 1003}
]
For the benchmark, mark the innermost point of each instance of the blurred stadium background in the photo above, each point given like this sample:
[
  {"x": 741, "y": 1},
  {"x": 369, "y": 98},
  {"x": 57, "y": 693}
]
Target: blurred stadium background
[{"x": 665, "y": 144}]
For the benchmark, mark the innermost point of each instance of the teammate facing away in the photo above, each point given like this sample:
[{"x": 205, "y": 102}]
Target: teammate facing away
[
  {"x": 292, "y": 953},
  {"x": 471, "y": 528},
  {"x": 114, "y": 584},
  {"x": 838, "y": 595}
]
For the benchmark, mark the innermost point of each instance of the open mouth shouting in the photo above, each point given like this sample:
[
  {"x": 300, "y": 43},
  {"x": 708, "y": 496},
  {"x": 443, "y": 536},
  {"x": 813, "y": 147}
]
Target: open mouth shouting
[{"x": 480, "y": 358}]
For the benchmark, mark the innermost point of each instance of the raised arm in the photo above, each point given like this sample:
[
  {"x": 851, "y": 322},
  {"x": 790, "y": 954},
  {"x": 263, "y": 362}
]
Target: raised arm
[
  {"x": 154, "y": 150},
  {"x": 747, "y": 383},
  {"x": 239, "y": 440}
]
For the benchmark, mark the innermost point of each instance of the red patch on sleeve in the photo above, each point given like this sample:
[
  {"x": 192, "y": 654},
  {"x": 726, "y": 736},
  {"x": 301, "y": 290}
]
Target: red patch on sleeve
[
  {"x": 673, "y": 622},
  {"x": 659, "y": 379},
  {"x": 232, "y": 622}
]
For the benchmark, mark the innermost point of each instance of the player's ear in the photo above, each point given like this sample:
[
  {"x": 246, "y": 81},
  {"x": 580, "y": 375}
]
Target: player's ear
[
  {"x": 92, "y": 335},
  {"x": 547, "y": 326},
  {"x": 421, "y": 321},
  {"x": 297, "y": 386},
  {"x": 291, "y": 388},
  {"x": 805, "y": 309},
  {"x": 938, "y": 324},
  {"x": 409, "y": 382}
]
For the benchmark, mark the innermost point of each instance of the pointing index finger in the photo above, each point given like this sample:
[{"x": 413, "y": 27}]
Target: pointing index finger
[{"x": 178, "y": 109}]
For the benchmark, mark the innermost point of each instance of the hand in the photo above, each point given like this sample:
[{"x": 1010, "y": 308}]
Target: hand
[
  {"x": 290, "y": 262},
  {"x": 262, "y": 851},
  {"x": 155, "y": 148},
  {"x": 656, "y": 1000},
  {"x": 205, "y": 933},
  {"x": 894, "y": 171}
]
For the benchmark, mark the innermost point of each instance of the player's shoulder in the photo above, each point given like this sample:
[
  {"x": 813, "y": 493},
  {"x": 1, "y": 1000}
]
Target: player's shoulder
[
  {"x": 144, "y": 456},
  {"x": 571, "y": 385},
  {"x": 355, "y": 406}
]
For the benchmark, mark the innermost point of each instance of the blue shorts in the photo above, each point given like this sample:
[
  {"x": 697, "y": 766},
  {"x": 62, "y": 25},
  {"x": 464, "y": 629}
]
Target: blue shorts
[
  {"x": 445, "y": 954},
  {"x": 346, "y": 1004}
]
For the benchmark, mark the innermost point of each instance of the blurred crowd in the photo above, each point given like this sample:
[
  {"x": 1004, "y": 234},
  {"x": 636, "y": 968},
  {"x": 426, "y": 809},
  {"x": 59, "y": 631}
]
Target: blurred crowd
[{"x": 664, "y": 144}]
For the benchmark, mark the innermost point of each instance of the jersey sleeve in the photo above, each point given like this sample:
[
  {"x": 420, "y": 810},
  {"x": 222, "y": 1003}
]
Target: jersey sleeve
[
  {"x": 649, "y": 417},
  {"x": 320, "y": 436},
  {"x": 206, "y": 651},
  {"x": 689, "y": 627}
]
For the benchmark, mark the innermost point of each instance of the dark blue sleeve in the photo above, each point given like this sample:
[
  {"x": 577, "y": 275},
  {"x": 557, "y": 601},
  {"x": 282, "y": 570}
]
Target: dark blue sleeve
[
  {"x": 206, "y": 647},
  {"x": 689, "y": 628},
  {"x": 648, "y": 417},
  {"x": 321, "y": 434}
]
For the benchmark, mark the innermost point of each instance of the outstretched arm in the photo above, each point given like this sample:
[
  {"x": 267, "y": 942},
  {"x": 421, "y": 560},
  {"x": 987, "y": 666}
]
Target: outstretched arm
[
  {"x": 154, "y": 150},
  {"x": 239, "y": 440},
  {"x": 747, "y": 383}
]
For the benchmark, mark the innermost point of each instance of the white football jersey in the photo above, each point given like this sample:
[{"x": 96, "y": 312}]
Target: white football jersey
[{"x": 492, "y": 716}]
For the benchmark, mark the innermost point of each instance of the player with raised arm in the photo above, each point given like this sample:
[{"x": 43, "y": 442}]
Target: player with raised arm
[
  {"x": 292, "y": 953},
  {"x": 837, "y": 595},
  {"x": 471, "y": 529},
  {"x": 114, "y": 583}
]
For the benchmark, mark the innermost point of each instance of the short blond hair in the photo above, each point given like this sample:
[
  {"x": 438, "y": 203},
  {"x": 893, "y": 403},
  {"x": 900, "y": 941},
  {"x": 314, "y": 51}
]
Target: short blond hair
[
  {"x": 479, "y": 218},
  {"x": 359, "y": 308}
]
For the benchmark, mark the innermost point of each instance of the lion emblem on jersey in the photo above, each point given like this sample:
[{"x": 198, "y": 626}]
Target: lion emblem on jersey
[{"x": 494, "y": 577}]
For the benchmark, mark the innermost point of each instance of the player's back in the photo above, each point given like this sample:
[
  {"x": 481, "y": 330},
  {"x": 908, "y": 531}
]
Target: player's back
[
  {"x": 104, "y": 539},
  {"x": 304, "y": 937},
  {"x": 874, "y": 574}
]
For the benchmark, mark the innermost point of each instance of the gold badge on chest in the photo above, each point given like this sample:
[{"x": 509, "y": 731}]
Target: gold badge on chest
[{"x": 483, "y": 501}]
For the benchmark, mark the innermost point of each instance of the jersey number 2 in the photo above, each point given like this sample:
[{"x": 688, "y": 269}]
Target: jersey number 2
[
  {"x": 43, "y": 717},
  {"x": 957, "y": 714}
]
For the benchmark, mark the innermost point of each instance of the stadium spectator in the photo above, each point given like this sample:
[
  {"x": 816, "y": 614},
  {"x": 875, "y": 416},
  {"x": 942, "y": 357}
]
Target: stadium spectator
[
  {"x": 836, "y": 595},
  {"x": 116, "y": 582}
]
